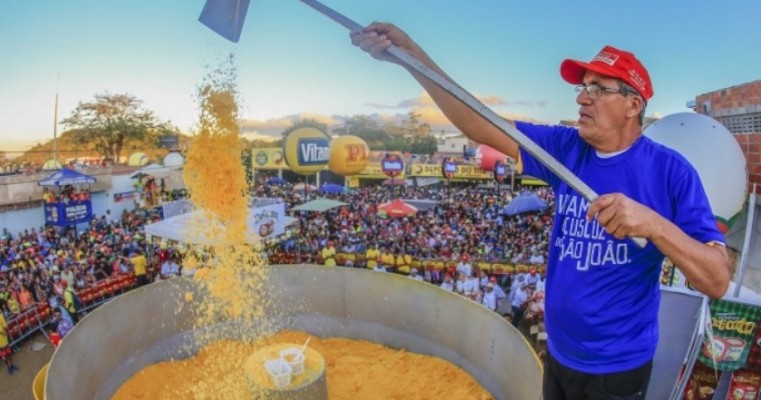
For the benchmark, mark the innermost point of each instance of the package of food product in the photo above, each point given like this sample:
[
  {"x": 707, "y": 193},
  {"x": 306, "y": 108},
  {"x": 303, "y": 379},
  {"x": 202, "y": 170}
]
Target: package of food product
[
  {"x": 744, "y": 385},
  {"x": 701, "y": 384}
]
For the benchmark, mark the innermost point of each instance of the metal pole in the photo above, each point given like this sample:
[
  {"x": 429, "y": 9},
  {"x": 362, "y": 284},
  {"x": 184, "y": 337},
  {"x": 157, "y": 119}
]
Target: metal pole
[
  {"x": 55, "y": 129},
  {"x": 746, "y": 243},
  {"x": 693, "y": 350},
  {"x": 476, "y": 105}
]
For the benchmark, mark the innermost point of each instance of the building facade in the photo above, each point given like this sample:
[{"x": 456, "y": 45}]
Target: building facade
[{"x": 738, "y": 108}]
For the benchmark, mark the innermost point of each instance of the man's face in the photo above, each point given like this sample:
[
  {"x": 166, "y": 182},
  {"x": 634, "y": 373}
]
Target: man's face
[{"x": 602, "y": 119}]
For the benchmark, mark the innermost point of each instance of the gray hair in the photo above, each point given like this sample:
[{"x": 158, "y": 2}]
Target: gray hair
[{"x": 628, "y": 89}]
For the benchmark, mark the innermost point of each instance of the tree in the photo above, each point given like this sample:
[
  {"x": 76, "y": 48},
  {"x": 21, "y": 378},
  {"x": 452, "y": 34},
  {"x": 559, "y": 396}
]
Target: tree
[
  {"x": 410, "y": 127},
  {"x": 424, "y": 145},
  {"x": 109, "y": 121},
  {"x": 363, "y": 127},
  {"x": 306, "y": 123}
]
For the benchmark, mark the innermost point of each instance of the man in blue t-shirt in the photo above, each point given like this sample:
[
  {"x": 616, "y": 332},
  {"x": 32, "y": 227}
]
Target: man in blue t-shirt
[{"x": 602, "y": 291}]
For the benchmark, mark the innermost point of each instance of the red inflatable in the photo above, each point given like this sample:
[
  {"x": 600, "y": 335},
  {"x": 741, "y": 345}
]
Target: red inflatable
[{"x": 487, "y": 156}]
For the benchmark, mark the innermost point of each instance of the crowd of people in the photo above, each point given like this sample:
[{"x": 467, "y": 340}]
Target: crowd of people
[
  {"x": 46, "y": 267},
  {"x": 67, "y": 194},
  {"x": 450, "y": 244},
  {"x": 446, "y": 245}
]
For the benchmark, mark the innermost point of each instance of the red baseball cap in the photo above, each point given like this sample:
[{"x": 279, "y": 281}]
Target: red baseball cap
[{"x": 612, "y": 62}]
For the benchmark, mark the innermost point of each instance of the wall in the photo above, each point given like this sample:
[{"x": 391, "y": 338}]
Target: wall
[
  {"x": 17, "y": 221},
  {"x": 122, "y": 186},
  {"x": 21, "y": 188},
  {"x": 739, "y": 109}
]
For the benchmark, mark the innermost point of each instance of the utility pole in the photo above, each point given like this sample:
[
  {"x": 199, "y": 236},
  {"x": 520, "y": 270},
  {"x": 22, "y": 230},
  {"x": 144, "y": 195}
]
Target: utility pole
[
  {"x": 55, "y": 123},
  {"x": 55, "y": 129}
]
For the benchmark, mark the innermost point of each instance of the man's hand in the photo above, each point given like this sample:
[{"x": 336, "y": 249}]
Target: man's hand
[
  {"x": 622, "y": 216},
  {"x": 377, "y": 37}
]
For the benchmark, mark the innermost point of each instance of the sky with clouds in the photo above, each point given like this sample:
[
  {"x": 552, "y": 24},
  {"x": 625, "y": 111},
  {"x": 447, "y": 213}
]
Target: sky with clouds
[{"x": 294, "y": 62}]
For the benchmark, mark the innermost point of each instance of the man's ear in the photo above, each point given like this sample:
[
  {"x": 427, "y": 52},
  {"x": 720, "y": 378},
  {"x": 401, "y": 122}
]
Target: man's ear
[{"x": 636, "y": 105}]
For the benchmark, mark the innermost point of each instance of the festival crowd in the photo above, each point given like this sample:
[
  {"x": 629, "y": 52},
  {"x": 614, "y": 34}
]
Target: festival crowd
[{"x": 447, "y": 244}]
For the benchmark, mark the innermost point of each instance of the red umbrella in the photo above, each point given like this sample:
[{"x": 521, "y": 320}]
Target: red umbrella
[{"x": 397, "y": 208}]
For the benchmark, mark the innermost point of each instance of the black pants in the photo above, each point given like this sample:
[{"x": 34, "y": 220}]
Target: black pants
[
  {"x": 517, "y": 316},
  {"x": 563, "y": 383},
  {"x": 142, "y": 280}
]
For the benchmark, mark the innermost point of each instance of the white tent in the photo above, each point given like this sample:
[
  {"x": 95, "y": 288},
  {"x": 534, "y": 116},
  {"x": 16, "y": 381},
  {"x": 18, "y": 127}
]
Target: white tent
[{"x": 200, "y": 227}]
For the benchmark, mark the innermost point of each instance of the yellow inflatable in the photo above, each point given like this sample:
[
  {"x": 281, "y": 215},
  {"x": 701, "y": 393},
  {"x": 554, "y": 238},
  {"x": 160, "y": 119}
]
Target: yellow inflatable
[
  {"x": 348, "y": 155},
  {"x": 306, "y": 150}
]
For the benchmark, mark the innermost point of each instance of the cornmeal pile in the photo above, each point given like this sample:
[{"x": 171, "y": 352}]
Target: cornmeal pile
[{"x": 355, "y": 370}]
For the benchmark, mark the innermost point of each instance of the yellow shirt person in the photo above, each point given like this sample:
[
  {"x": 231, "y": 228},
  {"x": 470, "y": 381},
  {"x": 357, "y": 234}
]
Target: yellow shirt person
[
  {"x": 329, "y": 255},
  {"x": 4, "y": 340},
  {"x": 371, "y": 255},
  {"x": 139, "y": 264},
  {"x": 403, "y": 262},
  {"x": 388, "y": 260}
]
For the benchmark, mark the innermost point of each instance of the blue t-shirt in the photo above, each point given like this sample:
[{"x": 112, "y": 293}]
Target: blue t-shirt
[{"x": 602, "y": 294}]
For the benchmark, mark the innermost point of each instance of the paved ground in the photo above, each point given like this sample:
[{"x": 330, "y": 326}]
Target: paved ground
[{"x": 19, "y": 385}]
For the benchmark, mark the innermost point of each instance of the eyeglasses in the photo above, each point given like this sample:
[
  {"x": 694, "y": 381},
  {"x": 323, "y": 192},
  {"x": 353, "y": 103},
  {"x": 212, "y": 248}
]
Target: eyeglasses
[{"x": 595, "y": 90}]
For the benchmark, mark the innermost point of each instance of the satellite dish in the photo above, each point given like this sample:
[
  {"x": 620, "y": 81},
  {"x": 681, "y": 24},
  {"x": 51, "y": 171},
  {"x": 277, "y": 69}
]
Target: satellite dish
[
  {"x": 51, "y": 165},
  {"x": 138, "y": 159},
  {"x": 174, "y": 159},
  {"x": 714, "y": 152}
]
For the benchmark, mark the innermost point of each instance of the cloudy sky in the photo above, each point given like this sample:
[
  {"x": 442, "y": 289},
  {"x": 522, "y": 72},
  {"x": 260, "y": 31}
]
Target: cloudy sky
[{"x": 293, "y": 62}]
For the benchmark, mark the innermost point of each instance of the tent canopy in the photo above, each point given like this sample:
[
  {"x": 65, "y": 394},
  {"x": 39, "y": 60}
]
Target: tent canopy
[
  {"x": 397, "y": 208},
  {"x": 422, "y": 204},
  {"x": 525, "y": 202},
  {"x": 331, "y": 188},
  {"x": 65, "y": 177},
  {"x": 319, "y": 204},
  {"x": 276, "y": 180}
]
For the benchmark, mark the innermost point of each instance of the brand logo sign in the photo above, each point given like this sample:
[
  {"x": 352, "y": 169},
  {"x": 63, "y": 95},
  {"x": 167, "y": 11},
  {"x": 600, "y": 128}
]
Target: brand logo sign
[
  {"x": 392, "y": 165},
  {"x": 499, "y": 171},
  {"x": 313, "y": 151},
  {"x": 449, "y": 167},
  {"x": 307, "y": 150}
]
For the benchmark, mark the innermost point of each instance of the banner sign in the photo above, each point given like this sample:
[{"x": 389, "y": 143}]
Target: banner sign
[
  {"x": 392, "y": 165},
  {"x": 500, "y": 172},
  {"x": 448, "y": 167},
  {"x": 119, "y": 197},
  {"x": 169, "y": 141},
  {"x": 734, "y": 330},
  {"x": 64, "y": 214},
  {"x": 267, "y": 221},
  {"x": 268, "y": 158},
  {"x": 464, "y": 171}
]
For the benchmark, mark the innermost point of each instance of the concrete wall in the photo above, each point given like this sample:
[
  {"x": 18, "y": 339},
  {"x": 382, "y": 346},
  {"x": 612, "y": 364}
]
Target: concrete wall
[
  {"x": 21, "y": 188},
  {"x": 17, "y": 189},
  {"x": 17, "y": 221},
  {"x": 120, "y": 184}
]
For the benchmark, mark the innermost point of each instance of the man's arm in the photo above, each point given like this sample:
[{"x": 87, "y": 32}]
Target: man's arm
[
  {"x": 705, "y": 266},
  {"x": 377, "y": 37}
]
